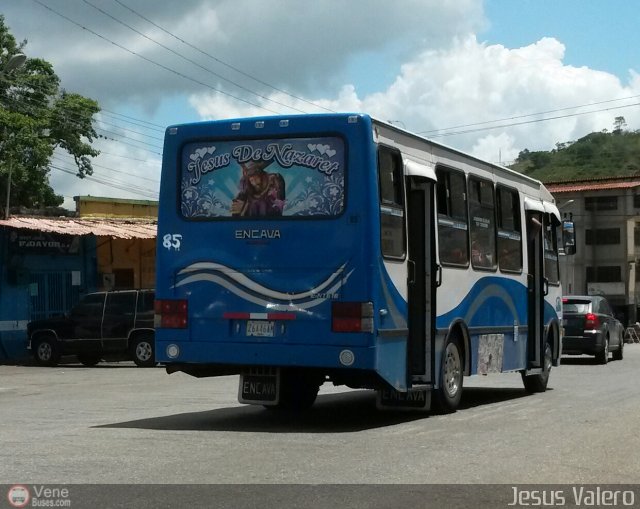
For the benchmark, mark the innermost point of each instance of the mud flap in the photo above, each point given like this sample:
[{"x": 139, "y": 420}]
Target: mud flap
[
  {"x": 391, "y": 361},
  {"x": 260, "y": 386}
]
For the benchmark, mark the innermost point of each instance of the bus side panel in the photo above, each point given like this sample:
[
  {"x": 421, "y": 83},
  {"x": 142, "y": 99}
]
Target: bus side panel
[
  {"x": 392, "y": 330},
  {"x": 495, "y": 313}
]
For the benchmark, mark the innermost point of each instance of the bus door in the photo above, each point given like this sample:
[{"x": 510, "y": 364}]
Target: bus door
[
  {"x": 420, "y": 284},
  {"x": 536, "y": 288}
]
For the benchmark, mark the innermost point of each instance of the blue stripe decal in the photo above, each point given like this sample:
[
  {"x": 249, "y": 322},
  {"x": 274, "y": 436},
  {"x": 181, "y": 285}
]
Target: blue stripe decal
[
  {"x": 252, "y": 291},
  {"x": 492, "y": 301}
]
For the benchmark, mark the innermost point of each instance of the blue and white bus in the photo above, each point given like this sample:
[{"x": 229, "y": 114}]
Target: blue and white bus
[{"x": 300, "y": 250}]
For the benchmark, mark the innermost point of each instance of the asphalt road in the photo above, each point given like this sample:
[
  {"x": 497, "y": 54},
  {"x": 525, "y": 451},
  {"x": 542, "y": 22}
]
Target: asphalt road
[{"x": 116, "y": 423}]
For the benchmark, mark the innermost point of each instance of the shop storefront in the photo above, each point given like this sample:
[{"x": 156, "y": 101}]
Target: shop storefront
[{"x": 47, "y": 264}]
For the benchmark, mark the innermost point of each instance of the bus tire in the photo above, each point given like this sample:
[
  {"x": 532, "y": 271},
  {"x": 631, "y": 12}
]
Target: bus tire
[
  {"x": 449, "y": 393},
  {"x": 297, "y": 392},
  {"x": 539, "y": 382}
]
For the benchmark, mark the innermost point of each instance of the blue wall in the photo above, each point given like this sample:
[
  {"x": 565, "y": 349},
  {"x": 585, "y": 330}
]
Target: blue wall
[{"x": 18, "y": 269}]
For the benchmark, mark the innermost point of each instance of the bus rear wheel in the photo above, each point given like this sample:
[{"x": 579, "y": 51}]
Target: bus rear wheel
[
  {"x": 538, "y": 383},
  {"x": 449, "y": 393},
  {"x": 298, "y": 392}
]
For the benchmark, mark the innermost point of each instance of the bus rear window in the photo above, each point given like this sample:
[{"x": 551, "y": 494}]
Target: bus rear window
[{"x": 296, "y": 177}]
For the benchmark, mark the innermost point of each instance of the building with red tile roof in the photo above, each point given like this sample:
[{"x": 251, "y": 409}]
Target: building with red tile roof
[{"x": 606, "y": 212}]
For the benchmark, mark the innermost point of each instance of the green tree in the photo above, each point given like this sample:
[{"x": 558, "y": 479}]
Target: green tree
[
  {"x": 36, "y": 117},
  {"x": 619, "y": 123}
]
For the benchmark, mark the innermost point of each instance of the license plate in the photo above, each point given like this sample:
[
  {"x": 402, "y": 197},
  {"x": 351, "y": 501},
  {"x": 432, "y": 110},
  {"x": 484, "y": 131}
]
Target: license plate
[
  {"x": 258, "y": 389},
  {"x": 413, "y": 399},
  {"x": 261, "y": 328}
]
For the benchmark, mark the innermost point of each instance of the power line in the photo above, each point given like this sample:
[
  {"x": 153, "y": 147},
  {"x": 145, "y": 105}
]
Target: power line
[
  {"x": 188, "y": 59},
  {"x": 131, "y": 130},
  {"x": 95, "y": 125},
  {"x": 103, "y": 112},
  {"x": 102, "y": 152},
  {"x": 528, "y": 114},
  {"x": 106, "y": 137},
  {"x": 113, "y": 113},
  {"x": 532, "y": 121},
  {"x": 157, "y": 64},
  {"x": 216, "y": 59},
  {"x": 127, "y": 173},
  {"x": 121, "y": 186}
]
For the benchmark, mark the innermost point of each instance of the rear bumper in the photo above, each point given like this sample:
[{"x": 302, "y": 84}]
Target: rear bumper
[
  {"x": 590, "y": 344},
  {"x": 269, "y": 354}
]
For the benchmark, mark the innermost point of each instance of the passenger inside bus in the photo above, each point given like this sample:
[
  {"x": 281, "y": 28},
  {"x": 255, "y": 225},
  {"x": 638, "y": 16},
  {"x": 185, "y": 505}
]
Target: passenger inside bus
[{"x": 478, "y": 256}]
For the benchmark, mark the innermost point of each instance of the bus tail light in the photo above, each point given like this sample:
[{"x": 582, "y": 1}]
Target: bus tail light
[
  {"x": 352, "y": 317},
  {"x": 591, "y": 321},
  {"x": 171, "y": 314}
]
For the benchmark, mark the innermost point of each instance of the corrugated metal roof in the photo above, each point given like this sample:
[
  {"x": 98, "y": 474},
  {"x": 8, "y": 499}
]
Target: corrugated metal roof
[
  {"x": 129, "y": 228},
  {"x": 576, "y": 187}
]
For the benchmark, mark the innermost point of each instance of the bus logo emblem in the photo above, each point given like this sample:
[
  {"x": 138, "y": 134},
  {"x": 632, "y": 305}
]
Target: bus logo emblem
[{"x": 257, "y": 234}]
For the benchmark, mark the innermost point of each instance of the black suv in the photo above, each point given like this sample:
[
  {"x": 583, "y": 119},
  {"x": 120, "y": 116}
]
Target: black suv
[
  {"x": 591, "y": 328},
  {"x": 114, "y": 325}
]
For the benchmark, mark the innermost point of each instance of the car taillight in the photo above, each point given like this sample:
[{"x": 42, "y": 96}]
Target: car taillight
[
  {"x": 171, "y": 314},
  {"x": 591, "y": 321},
  {"x": 352, "y": 317}
]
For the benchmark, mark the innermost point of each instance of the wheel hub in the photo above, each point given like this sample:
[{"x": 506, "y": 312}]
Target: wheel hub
[
  {"x": 44, "y": 351},
  {"x": 452, "y": 370}
]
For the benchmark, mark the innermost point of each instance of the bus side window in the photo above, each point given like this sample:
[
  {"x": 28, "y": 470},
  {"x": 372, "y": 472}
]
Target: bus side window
[
  {"x": 551, "y": 267},
  {"x": 453, "y": 243},
  {"x": 392, "y": 222},
  {"x": 482, "y": 224},
  {"x": 509, "y": 230}
]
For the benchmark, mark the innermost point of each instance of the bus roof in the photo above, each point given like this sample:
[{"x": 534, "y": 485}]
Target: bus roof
[{"x": 506, "y": 172}]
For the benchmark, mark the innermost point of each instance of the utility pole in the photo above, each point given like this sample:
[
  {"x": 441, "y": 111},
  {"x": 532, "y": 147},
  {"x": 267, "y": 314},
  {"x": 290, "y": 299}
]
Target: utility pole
[{"x": 15, "y": 62}]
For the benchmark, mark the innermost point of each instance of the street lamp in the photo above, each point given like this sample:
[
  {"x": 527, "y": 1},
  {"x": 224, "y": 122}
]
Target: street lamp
[
  {"x": 15, "y": 62},
  {"x": 568, "y": 202}
]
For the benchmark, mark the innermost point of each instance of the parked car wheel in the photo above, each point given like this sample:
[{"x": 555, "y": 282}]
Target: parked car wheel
[
  {"x": 619, "y": 353},
  {"x": 603, "y": 356},
  {"x": 143, "y": 351},
  {"x": 46, "y": 351}
]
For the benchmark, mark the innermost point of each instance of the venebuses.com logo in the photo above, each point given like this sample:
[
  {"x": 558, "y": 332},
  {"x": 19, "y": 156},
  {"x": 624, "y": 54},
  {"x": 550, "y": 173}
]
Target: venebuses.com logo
[{"x": 18, "y": 495}]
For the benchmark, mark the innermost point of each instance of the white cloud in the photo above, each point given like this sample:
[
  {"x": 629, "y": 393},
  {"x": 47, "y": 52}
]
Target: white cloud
[
  {"x": 470, "y": 83},
  {"x": 496, "y": 148},
  {"x": 423, "y": 67},
  {"x": 299, "y": 47}
]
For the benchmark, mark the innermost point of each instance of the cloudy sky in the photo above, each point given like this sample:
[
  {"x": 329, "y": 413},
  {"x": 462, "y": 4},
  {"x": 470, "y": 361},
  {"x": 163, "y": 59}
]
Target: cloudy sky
[{"x": 490, "y": 77}]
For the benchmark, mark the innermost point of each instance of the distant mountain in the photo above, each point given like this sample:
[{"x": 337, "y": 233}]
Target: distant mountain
[{"x": 596, "y": 155}]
